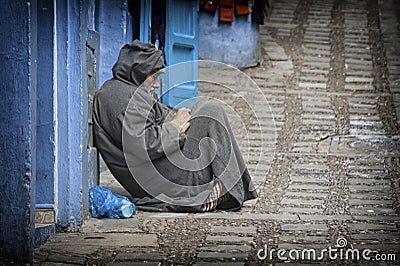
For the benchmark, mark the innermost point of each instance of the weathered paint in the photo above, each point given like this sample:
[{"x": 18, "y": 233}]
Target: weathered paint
[
  {"x": 73, "y": 21},
  {"x": 62, "y": 94},
  {"x": 18, "y": 55},
  {"x": 76, "y": 111},
  {"x": 236, "y": 43},
  {"x": 52, "y": 102},
  {"x": 91, "y": 162},
  {"x": 45, "y": 121},
  {"x": 45, "y": 145},
  {"x": 114, "y": 24}
]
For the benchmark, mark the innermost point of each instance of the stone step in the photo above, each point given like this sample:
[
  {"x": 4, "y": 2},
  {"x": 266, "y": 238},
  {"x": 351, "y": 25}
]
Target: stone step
[
  {"x": 302, "y": 239},
  {"x": 299, "y": 246},
  {"x": 359, "y": 67},
  {"x": 369, "y": 181},
  {"x": 228, "y": 239},
  {"x": 131, "y": 257},
  {"x": 331, "y": 123},
  {"x": 371, "y": 227},
  {"x": 384, "y": 248},
  {"x": 220, "y": 264},
  {"x": 371, "y": 189},
  {"x": 309, "y": 179},
  {"x": 308, "y": 187},
  {"x": 312, "y": 85},
  {"x": 371, "y": 211},
  {"x": 298, "y": 195},
  {"x": 304, "y": 227},
  {"x": 205, "y": 256},
  {"x": 300, "y": 210},
  {"x": 312, "y": 202},
  {"x": 375, "y": 202},
  {"x": 372, "y": 166},
  {"x": 227, "y": 248},
  {"x": 356, "y": 79},
  {"x": 233, "y": 229},
  {"x": 378, "y": 236}
]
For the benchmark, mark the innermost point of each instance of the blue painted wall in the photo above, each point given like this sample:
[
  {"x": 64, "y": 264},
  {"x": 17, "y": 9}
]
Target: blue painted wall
[
  {"x": 61, "y": 94},
  {"x": 114, "y": 24},
  {"x": 76, "y": 103},
  {"x": 236, "y": 43},
  {"x": 18, "y": 55},
  {"x": 45, "y": 194},
  {"x": 74, "y": 19},
  {"x": 44, "y": 114}
]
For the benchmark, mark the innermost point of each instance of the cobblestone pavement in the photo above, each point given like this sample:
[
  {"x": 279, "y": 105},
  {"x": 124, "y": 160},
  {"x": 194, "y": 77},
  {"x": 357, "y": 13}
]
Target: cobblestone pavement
[{"x": 331, "y": 75}]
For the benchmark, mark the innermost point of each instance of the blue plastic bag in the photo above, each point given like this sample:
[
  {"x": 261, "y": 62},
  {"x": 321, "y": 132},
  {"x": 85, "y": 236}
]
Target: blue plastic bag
[{"x": 105, "y": 203}]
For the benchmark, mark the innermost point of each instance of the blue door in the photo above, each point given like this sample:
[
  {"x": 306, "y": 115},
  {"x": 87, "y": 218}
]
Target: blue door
[
  {"x": 179, "y": 86},
  {"x": 181, "y": 46},
  {"x": 145, "y": 20}
]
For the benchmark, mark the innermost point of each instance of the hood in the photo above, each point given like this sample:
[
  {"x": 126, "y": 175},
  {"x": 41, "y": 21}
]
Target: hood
[{"x": 136, "y": 61}]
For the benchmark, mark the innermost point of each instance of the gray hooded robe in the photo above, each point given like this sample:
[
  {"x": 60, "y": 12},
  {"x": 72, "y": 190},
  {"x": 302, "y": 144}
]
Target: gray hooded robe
[{"x": 147, "y": 155}]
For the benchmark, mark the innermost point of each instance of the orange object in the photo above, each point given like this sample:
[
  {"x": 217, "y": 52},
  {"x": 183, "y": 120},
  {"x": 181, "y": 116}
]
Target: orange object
[
  {"x": 242, "y": 10},
  {"x": 226, "y": 14},
  {"x": 226, "y": 3}
]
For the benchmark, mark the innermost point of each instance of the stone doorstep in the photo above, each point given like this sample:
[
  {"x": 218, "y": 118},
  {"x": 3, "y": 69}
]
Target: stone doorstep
[
  {"x": 64, "y": 258},
  {"x": 94, "y": 225},
  {"x": 94, "y": 240}
]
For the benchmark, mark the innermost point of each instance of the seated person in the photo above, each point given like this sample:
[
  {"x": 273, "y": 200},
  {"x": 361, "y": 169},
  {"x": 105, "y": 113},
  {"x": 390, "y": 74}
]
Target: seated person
[{"x": 168, "y": 160}]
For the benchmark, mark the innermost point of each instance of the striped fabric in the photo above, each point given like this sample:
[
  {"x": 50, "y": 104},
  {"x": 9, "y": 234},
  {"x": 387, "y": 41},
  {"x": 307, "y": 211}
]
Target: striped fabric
[{"x": 216, "y": 197}]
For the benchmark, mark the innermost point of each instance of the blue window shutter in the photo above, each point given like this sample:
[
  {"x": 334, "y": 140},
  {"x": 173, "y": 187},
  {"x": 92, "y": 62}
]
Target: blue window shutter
[{"x": 181, "y": 46}]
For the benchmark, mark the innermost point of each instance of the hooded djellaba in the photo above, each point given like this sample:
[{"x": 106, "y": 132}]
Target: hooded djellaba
[{"x": 162, "y": 169}]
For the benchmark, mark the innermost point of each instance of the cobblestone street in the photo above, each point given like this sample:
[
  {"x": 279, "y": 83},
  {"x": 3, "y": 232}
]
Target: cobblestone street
[{"x": 331, "y": 77}]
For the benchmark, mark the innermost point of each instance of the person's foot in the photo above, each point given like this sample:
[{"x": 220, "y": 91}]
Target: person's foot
[{"x": 212, "y": 201}]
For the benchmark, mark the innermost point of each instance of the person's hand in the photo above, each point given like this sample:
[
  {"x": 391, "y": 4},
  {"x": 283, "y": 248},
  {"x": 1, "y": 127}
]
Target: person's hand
[{"x": 181, "y": 120}]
